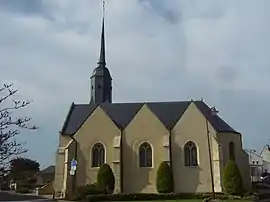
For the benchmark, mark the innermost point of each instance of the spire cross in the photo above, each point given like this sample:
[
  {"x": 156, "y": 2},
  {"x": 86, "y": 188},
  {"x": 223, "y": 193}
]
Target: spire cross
[{"x": 103, "y": 8}]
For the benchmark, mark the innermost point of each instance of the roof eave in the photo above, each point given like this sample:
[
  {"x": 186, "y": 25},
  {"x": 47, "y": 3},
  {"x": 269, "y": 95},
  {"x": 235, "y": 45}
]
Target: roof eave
[
  {"x": 72, "y": 134},
  {"x": 225, "y": 131},
  {"x": 66, "y": 134},
  {"x": 67, "y": 118}
]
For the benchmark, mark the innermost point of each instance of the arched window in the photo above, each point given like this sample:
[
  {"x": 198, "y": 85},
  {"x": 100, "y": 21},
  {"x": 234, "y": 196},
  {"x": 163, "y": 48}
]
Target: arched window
[
  {"x": 145, "y": 155},
  {"x": 190, "y": 151},
  {"x": 231, "y": 151},
  {"x": 98, "y": 155}
]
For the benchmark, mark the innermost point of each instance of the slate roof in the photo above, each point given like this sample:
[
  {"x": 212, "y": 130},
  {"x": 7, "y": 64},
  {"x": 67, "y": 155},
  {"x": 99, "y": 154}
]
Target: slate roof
[
  {"x": 122, "y": 114},
  {"x": 48, "y": 170}
]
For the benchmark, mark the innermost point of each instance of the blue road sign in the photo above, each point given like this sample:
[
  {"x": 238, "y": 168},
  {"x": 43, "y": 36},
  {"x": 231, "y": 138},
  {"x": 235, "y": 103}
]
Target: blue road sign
[{"x": 73, "y": 163}]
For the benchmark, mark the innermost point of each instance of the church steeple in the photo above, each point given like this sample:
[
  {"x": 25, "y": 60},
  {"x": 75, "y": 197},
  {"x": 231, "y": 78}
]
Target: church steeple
[
  {"x": 101, "y": 80},
  {"x": 102, "y": 60}
]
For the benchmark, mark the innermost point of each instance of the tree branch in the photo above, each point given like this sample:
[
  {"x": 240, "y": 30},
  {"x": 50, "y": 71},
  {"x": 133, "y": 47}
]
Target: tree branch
[{"x": 10, "y": 124}]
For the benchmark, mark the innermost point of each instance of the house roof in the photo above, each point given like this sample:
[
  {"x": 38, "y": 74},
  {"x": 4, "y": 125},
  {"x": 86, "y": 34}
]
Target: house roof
[
  {"x": 48, "y": 170},
  {"x": 265, "y": 148},
  {"x": 252, "y": 153},
  {"x": 122, "y": 114}
]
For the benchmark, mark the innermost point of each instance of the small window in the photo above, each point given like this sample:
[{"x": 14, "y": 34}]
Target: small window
[
  {"x": 92, "y": 87},
  {"x": 145, "y": 155},
  {"x": 190, "y": 151},
  {"x": 98, "y": 155},
  {"x": 232, "y": 151},
  {"x": 257, "y": 162},
  {"x": 253, "y": 162}
]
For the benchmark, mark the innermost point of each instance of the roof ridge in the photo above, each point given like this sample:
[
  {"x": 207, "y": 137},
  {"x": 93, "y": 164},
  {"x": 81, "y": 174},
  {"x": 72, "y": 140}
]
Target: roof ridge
[
  {"x": 215, "y": 120},
  {"x": 117, "y": 119},
  {"x": 168, "y": 121},
  {"x": 145, "y": 102},
  {"x": 169, "y": 113}
]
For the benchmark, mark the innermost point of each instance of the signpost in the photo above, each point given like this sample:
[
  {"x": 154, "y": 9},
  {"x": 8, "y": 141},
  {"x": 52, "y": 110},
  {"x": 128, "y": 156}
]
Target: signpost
[
  {"x": 73, "y": 166},
  {"x": 72, "y": 172}
]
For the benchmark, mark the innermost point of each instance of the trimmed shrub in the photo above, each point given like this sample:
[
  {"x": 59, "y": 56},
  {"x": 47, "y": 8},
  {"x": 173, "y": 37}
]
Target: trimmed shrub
[
  {"x": 232, "y": 180},
  {"x": 23, "y": 190},
  {"x": 105, "y": 179},
  {"x": 164, "y": 181},
  {"x": 82, "y": 192}
]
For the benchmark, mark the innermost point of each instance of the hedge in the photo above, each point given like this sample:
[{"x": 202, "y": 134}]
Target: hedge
[
  {"x": 82, "y": 192},
  {"x": 22, "y": 190},
  {"x": 152, "y": 197}
]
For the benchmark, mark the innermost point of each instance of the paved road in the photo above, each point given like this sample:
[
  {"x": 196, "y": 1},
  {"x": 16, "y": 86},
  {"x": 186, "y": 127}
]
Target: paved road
[
  {"x": 7, "y": 196},
  {"x": 264, "y": 193}
]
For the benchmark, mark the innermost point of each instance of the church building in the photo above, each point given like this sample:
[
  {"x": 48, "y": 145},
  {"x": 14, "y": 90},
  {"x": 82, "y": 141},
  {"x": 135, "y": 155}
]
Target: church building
[{"x": 135, "y": 138}]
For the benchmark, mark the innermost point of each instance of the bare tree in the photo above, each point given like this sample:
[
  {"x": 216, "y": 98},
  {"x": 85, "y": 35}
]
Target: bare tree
[{"x": 11, "y": 124}]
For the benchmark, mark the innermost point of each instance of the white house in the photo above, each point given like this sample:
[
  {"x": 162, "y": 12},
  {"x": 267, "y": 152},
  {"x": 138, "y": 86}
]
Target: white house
[
  {"x": 265, "y": 153},
  {"x": 256, "y": 163}
]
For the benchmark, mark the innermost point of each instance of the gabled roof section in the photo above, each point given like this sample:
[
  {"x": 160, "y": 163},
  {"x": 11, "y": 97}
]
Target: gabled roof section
[
  {"x": 76, "y": 117},
  {"x": 48, "y": 170},
  {"x": 265, "y": 148},
  {"x": 219, "y": 124},
  {"x": 168, "y": 112},
  {"x": 67, "y": 118},
  {"x": 252, "y": 153},
  {"x": 121, "y": 113}
]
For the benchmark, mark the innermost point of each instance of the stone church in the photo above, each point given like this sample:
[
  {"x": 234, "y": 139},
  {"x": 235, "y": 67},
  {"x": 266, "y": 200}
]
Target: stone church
[{"x": 134, "y": 138}]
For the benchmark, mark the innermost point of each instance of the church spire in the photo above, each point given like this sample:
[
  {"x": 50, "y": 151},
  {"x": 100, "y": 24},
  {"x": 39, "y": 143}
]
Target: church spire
[
  {"x": 101, "y": 80},
  {"x": 102, "y": 60}
]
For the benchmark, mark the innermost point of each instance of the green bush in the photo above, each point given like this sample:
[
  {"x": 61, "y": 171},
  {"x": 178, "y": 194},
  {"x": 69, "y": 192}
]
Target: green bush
[
  {"x": 105, "y": 179},
  {"x": 164, "y": 181},
  {"x": 24, "y": 183},
  {"x": 232, "y": 180},
  {"x": 23, "y": 190},
  {"x": 82, "y": 192}
]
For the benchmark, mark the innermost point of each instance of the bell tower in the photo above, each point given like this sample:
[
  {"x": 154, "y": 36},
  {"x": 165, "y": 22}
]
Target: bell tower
[{"x": 101, "y": 80}]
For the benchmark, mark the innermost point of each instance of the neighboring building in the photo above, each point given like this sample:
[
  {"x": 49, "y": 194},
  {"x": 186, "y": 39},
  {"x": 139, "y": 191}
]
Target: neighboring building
[
  {"x": 259, "y": 163},
  {"x": 256, "y": 163},
  {"x": 266, "y": 166},
  {"x": 265, "y": 153},
  {"x": 45, "y": 176},
  {"x": 134, "y": 138}
]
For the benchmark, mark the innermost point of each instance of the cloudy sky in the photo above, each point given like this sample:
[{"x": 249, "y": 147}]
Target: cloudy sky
[{"x": 157, "y": 50}]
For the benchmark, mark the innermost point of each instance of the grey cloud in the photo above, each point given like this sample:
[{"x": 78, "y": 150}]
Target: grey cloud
[
  {"x": 27, "y": 7},
  {"x": 161, "y": 8},
  {"x": 218, "y": 51},
  {"x": 227, "y": 74}
]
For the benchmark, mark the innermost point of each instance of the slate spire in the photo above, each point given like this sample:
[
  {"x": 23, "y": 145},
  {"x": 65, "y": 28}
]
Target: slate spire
[{"x": 102, "y": 60}]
